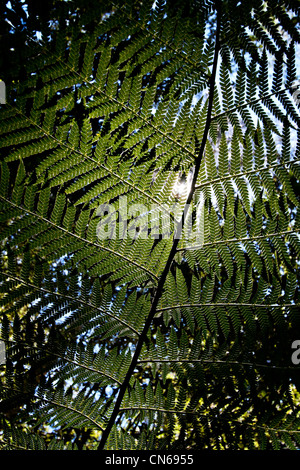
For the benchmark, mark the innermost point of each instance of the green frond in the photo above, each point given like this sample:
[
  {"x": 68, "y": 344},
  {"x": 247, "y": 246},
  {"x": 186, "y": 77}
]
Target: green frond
[{"x": 119, "y": 335}]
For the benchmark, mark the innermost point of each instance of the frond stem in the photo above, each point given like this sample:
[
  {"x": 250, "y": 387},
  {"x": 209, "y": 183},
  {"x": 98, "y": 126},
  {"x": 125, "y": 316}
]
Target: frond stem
[
  {"x": 161, "y": 282},
  {"x": 226, "y": 304},
  {"x": 74, "y": 235},
  {"x": 240, "y": 240},
  {"x": 216, "y": 361},
  {"x": 103, "y": 311}
]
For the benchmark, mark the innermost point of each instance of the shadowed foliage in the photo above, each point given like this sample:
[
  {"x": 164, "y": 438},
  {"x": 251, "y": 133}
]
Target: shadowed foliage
[{"x": 169, "y": 322}]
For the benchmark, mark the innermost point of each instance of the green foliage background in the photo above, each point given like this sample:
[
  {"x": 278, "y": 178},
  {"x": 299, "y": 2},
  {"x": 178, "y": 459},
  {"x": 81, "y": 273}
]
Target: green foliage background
[{"x": 144, "y": 342}]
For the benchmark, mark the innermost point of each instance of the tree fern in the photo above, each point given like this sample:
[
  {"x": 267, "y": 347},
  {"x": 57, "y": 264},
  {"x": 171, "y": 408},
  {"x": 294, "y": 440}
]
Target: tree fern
[{"x": 150, "y": 230}]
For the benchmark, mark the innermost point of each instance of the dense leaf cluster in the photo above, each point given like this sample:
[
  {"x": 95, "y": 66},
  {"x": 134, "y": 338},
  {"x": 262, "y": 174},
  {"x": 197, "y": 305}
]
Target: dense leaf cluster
[{"x": 150, "y": 340}]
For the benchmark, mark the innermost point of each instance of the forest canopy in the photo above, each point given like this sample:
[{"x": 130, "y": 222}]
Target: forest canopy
[{"x": 149, "y": 189}]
